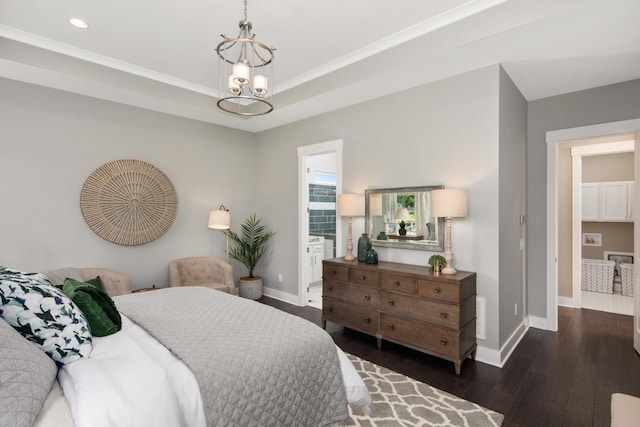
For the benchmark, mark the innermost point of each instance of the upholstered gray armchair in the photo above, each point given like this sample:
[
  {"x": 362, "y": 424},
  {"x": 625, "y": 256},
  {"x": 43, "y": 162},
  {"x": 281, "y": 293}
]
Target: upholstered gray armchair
[{"x": 202, "y": 271}]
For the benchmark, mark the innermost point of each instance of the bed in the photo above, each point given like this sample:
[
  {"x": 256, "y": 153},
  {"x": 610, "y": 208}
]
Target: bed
[{"x": 188, "y": 356}]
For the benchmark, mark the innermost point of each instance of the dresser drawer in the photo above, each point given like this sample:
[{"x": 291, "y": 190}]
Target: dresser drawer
[
  {"x": 350, "y": 315},
  {"x": 439, "y": 290},
  {"x": 331, "y": 271},
  {"x": 362, "y": 295},
  {"x": 364, "y": 277},
  {"x": 415, "y": 334},
  {"x": 439, "y": 313},
  {"x": 398, "y": 283}
]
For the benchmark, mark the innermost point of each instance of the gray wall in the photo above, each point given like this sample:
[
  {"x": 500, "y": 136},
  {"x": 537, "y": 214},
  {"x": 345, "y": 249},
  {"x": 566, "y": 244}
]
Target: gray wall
[
  {"x": 442, "y": 133},
  {"x": 600, "y": 105},
  {"x": 51, "y": 141},
  {"x": 513, "y": 132}
]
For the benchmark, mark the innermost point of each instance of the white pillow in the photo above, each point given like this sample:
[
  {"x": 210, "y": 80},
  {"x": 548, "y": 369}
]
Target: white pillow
[{"x": 44, "y": 315}]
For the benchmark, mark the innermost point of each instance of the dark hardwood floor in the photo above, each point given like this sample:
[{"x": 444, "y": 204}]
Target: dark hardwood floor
[{"x": 551, "y": 379}]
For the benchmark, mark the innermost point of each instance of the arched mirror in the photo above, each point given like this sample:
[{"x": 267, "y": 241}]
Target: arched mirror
[{"x": 401, "y": 218}]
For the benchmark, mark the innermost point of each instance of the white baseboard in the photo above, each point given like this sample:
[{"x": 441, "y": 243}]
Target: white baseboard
[
  {"x": 541, "y": 323},
  {"x": 499, "y": 357},
  {"x": 488, "y": 356},
  {"x": 568, "y": 302},
  {"x": 282, "y": 296}
]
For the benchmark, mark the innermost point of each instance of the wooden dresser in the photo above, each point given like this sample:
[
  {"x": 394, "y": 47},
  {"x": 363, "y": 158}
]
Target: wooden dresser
[{"x": 405, "y": 304}]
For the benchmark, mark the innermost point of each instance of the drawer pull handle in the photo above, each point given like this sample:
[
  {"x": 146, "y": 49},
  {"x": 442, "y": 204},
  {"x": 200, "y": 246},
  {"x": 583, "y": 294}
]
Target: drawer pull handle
[
  {"x": 363, "y": 277},
  {"x": 443, "y": 315},
  {"x": 443, "y": 341},
  {"x": 390, "y": 326},
  {"x": 367, "y": 297},
  {"x": 396, "y": 283},
  {"x": 390, "y": 302},
  {"x": 367, "y": 320},
  {"x": 330, "y": 309},
  {"x": 436, "y": 290},
  {"x": 329, "y": 288}
]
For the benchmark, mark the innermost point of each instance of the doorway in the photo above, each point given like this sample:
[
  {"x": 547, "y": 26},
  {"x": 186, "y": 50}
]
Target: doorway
[
  {"x": 602, "y": 229},
  {"x": 319, "y": 233},
  {"x": 553, "y": 139}
]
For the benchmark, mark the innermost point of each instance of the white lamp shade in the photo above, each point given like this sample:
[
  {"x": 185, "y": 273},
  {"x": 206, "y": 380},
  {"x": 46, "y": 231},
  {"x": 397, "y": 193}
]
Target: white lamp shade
[
  {"x": 403, "y": 214},
  {"x": 220, "y": 220},
  {"x": 260, "y": 84},
  {"x": 233, "y": 86},
  {"x": 241, "y": 73},
  {"x": 351, "y": 204},
  {"x": 449, "y": 203},
  {"x": 375, "y": 204}
]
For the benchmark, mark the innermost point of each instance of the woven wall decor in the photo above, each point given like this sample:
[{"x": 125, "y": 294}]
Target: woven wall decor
[{"x": 129, "y": 202}]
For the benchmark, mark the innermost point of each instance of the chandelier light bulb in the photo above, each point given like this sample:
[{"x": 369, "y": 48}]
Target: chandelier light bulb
[
  {"x": 241, "y": 73},
  {"x": 260, "y": 84},
  {"x": 233, "y": 86}
]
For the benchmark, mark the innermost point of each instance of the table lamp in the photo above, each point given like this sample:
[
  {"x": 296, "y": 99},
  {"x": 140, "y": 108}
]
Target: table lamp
[
  {"x": 449, "y": 203},
  {"x": 350, "y": 205}
]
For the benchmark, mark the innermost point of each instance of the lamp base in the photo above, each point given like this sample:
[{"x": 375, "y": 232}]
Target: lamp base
[
  {"x": 449, "y": 270},
  {"x": 349, "y": 257}
]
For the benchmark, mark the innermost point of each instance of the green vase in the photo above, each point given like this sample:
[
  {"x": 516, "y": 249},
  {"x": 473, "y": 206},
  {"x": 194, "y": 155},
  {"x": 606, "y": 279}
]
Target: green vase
[
  {"x": 372, "y": 257},
  {"x": 364, "y": 244}
]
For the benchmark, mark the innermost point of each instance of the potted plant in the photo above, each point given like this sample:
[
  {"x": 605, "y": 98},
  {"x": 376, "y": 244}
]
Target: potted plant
[
  {"x": 437, "y": 262},
  {"x": 248, "y": 247}
]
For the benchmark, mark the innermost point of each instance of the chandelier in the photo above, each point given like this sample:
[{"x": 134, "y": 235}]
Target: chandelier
[{"x": 245, "y": 73}]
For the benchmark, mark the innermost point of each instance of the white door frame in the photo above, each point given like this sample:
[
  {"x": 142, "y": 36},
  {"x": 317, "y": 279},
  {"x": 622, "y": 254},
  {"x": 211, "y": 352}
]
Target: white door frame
[
  {"x": 303, "y": 203},
  {"x": 553, "y": 138}
]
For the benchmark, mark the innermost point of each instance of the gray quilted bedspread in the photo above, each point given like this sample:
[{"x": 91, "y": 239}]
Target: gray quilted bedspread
[{"x": 255, "y": 365}]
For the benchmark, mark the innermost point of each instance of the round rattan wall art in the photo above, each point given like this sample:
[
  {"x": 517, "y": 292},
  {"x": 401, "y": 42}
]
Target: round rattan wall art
[{"x": 129, "y": 202}]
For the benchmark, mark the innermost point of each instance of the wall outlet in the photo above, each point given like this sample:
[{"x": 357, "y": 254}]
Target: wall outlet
[
  {"x": 280, "y": 277},
  {"x": 516, "y": 310}
]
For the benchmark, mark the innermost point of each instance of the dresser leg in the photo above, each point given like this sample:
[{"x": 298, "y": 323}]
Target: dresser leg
[
  {"x": 457, "y": 363},
  {"x": 324, "y": 324},
  {"x": 473, "y": 354},
  {"x": 379, "y": 340}
]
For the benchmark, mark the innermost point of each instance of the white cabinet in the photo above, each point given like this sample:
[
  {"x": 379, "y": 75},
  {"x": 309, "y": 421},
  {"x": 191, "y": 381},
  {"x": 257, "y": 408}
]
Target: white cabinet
[
  {"x": 608, "y": 201},
  {"x": 590, "y": 201},
  {"x": 316, "y": 255}
]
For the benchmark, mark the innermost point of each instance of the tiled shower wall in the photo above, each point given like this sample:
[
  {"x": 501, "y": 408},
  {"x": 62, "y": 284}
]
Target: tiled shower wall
[{"x": 322, "y": 211}]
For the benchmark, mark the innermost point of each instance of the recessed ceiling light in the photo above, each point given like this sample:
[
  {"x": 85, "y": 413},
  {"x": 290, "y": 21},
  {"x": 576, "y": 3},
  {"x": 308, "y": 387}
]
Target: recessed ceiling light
[{"x": 80, "y": 23}]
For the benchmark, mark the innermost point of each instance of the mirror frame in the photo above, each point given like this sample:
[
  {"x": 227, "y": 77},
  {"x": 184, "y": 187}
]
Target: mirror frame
[{"x": 399, "y": 244}]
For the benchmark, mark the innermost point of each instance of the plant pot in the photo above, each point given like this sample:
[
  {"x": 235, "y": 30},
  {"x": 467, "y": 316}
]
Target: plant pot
[{"x": 250, "y": 287}]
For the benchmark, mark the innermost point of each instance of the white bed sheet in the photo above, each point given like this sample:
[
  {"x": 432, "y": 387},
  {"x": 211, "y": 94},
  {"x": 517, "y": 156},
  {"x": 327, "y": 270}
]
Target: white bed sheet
[{"x": 137, "y": 381}]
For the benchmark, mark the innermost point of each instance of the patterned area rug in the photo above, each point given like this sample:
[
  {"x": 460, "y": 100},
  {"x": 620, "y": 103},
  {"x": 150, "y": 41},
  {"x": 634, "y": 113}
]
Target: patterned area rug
[{"x": 401, "y": 401}]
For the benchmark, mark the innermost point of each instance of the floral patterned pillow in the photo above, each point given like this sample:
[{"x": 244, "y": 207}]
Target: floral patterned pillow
[{"x": 44, "y": 315}]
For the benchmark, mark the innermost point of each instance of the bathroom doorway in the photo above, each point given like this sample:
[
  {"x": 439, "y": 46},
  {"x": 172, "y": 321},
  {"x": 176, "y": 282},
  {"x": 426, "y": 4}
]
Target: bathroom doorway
[{"x": 319, "y": 232}]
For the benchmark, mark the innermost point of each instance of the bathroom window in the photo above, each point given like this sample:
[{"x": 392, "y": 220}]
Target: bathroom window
[{"x": 323, "y": 178}]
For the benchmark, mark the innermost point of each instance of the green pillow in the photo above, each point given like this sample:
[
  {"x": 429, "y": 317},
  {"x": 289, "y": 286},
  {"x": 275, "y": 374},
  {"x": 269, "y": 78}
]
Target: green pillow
[
  {"x": 98, "y": 308},
  {"x": 97, "y": 282}
]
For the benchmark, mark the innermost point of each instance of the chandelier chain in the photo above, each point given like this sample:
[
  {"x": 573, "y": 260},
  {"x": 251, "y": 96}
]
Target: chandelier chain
[{"x": 245, "y": 10}]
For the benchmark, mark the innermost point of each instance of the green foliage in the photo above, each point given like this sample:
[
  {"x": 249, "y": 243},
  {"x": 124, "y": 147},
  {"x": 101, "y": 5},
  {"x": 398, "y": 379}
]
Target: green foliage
[
  {"x": 251, "y": 243},
  {"x": 437, "y": 260}
]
